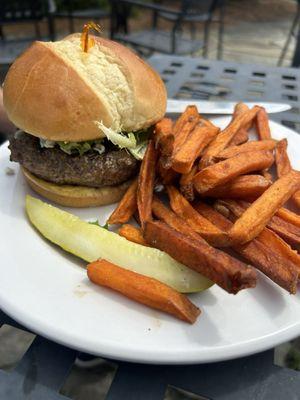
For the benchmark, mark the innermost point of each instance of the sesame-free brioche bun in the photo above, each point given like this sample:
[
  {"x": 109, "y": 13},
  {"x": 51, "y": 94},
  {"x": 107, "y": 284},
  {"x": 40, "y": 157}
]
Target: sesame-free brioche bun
[
  {"x": 55, "y": 91},
  {"x": 76, "y": 196}
]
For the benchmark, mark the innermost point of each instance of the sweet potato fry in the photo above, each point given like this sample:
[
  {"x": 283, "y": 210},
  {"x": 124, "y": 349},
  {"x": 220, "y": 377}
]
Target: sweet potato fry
[
  {"x": 235, "y": 209},
  {"x": 256, "y": 217},
  {"x": 213, "y": 215},
  {"x": 166, "y": 175},
  {"x": 267, "y": 175},
  {"x": 281, "y": 267},
  {"x": 166, "y": 215},
  {"x": 184, "y": 125},
  {"x": 268, "y": 238},
  {"x": 289, "y": 216},
  {"x": 222, "y": 140},
  {"x": 229, "y": 273},
  {"x": 190, "y": 113},
  {"x": 262, "y": 125},
  {"x": 246, "y": 147},
  {"x": 185, "y": 155},
  {"x": 269, "y": 262},
  {"x": 143, "y": 289},
  {"x": 225, "y": 171},
  {"x": 146, "y": 183},
  {"x": 271, "y": 240},
  {"x": 287, "y": 231},
  {"x": 282, "y": 161},
  {"x": 127, "y": 206},
  {"x": 132, "y": 233},
  {"x": 199, "y": 224},
  {"x": 283, "y": 165},
  {"x": 296, "y": 198},
  {"x": 242, "y": 187},
  {"x": 164, "y": 137},
  {"x": 242, "y": 136},
  {"x": 186, "y": 184},
  {"x": 241, "y": 108}
]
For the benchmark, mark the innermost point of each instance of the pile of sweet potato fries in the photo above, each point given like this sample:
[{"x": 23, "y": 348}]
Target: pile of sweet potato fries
[{"x": 224, "y": 216}]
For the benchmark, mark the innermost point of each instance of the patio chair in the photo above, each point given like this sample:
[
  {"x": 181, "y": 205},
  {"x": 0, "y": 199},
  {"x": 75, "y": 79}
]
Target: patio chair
[
  {"x": 24, "y": 11},
  {"x": 294, "y": 32},
  {"x": 296, "y": 56},
  {"x": 17, "y": 12},
  {"x": 193, "y": 12},
  {"x": 88, "y": 14}
]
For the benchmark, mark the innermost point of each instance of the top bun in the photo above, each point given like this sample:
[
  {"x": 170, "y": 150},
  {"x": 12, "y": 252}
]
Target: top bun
[{"x": 56, "y": 91}]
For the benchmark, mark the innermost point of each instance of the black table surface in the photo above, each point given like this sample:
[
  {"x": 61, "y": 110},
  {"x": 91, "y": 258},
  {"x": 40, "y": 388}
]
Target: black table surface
[
  {"x": 43, "y": 368},
  {"x": 194, "y": 78}
]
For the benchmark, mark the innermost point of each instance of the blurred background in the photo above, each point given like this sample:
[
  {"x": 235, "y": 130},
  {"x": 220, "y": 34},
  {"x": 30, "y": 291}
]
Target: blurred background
[
  {"x": 261, "y": 32},
  {"x": 256, "y": 31}
]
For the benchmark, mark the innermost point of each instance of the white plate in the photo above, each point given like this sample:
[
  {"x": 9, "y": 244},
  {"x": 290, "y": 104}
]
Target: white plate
[{"x": 47, "y": 291}]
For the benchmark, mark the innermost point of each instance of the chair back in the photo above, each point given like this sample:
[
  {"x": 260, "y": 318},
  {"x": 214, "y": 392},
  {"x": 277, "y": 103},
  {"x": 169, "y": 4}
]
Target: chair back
[
  {"x": 199, "y": 6},
  {"x": 67, "y": 5},
  {"x": 22, "y": 10}
]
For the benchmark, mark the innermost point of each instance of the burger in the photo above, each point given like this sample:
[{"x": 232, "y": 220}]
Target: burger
[{"x": 83, "y": 118}]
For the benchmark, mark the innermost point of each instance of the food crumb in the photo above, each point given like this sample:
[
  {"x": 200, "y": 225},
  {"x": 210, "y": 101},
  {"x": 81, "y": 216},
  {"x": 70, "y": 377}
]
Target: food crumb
[
  {"x": 80, "y": 293},
  {"x": 157, "y": 322},
  {"x": 9, "y": 171}
]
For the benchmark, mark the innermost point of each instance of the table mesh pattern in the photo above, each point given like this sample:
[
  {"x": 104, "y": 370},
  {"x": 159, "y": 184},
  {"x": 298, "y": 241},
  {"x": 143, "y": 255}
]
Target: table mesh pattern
[{"x": 194, "y": 78}]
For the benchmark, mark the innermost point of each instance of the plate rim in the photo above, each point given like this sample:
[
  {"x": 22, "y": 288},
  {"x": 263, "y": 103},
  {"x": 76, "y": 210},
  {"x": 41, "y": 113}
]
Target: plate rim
[{"x": 243, "y": 349}]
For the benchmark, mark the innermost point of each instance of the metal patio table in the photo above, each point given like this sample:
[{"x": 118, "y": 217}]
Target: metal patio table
[{"x": 42, "y": 370}]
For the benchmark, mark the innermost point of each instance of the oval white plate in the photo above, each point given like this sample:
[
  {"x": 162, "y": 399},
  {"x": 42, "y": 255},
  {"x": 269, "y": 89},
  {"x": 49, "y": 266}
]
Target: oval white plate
[{"x": 47, "y": 291}]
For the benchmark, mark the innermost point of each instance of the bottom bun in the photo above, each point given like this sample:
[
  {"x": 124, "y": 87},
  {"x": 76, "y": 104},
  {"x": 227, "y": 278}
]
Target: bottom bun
[{"x": 76, "y": 196}]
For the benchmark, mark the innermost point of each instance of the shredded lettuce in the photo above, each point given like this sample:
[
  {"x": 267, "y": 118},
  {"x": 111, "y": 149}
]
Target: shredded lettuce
[
  {"x": 99, "y": 148},
  {"x": 18, "y": 134},
  {"x": 142, "y": 138},
  {"x": 119, "y": 139},
  {"x": 75, "y": 147},
  {"x": 134, "y": 142},
  {"x": 48, "y": 144},
  {"x": 139, "y": 151}
]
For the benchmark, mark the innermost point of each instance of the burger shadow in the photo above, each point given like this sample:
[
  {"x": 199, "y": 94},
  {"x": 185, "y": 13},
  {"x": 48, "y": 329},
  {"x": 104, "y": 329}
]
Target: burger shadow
[
  {"x": 13, "y": 197},
  {"x": 13, "y": 191}
]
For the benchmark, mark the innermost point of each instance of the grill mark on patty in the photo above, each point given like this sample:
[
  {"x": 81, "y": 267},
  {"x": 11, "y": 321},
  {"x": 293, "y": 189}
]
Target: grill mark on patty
[{"x": 91, "y": 169}]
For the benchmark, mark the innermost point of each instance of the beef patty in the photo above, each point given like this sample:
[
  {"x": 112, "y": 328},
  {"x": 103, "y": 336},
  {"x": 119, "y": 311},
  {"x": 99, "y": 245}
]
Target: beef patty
[{"x": 91, "y": 169}]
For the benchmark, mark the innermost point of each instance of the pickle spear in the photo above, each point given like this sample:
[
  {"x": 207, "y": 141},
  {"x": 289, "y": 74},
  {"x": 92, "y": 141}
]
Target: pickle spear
[{"x": 91, "y": 242}]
